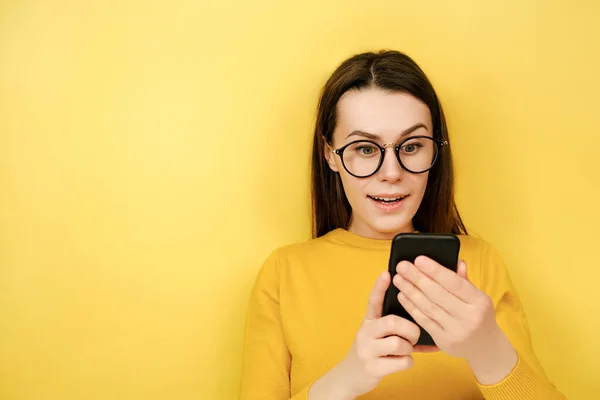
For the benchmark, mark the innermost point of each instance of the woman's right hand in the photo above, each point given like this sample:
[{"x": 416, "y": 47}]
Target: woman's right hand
[{"x": 383, "y": 345}]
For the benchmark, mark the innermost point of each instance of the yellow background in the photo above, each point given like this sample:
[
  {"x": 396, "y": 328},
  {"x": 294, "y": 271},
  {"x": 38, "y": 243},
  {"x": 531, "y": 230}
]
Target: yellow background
[{"x": 152, "y": 153}]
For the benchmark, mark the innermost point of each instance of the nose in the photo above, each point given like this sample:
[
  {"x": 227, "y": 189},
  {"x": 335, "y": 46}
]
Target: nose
[{"x": 390, "y": 170}]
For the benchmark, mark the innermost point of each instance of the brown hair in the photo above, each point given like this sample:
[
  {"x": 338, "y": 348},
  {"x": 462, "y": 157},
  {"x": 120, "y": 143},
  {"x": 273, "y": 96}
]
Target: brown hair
[{"x": 392, "y": 71}]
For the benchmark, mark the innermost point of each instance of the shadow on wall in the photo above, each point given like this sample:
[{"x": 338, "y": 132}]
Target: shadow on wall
[
  {"x": 283, "y": 195},
  {"x": 485, "y": 152}
]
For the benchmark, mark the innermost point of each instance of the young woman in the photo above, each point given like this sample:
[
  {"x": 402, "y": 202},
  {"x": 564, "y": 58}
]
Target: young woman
[{"x": 382, "y": 165}]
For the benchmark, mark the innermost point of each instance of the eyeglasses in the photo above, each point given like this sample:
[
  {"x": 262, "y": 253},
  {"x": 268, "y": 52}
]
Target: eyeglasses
[{"x": 363, "y": 158}]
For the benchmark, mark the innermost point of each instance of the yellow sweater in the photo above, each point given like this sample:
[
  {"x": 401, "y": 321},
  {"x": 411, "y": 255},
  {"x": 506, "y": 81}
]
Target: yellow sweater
[{"x": 309, "y": 300}]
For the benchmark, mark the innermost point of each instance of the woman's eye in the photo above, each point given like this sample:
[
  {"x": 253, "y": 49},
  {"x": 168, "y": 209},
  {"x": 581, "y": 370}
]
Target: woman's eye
[
  {"x": 365, "y": 150},
  {"x": 411, "y": 148}
]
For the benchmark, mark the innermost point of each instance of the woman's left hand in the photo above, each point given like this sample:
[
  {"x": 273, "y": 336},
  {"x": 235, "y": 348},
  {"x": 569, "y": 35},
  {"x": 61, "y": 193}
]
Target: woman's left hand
[{"x": 459, "y": 317}]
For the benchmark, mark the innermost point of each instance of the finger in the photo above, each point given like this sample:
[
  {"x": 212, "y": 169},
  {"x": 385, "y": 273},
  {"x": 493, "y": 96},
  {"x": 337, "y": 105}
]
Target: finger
[
  {"x": 432, "y": 289},
  {"x": 425, "y": 348},
  {"x": 394, "y": 325},
  {"x": 454, "y": 283},
  {"x": 391, "y": 346},
  {"x": 388, "y": 365},
  {"x": 423, "y": 303},
  {"x": 462, "y": 270},
  {"x": 431, "y": 326},
  {"x": 375, "y": 304}
]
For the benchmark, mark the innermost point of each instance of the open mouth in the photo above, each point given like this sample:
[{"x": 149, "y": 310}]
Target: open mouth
[{"x": 387, "y": 200}]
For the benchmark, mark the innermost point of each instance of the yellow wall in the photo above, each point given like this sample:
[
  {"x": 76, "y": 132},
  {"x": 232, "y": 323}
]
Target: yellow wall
[{"x": 153, "y": 153}]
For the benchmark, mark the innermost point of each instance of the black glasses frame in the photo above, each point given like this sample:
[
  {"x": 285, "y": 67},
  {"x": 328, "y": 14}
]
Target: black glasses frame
[{"x": 340, "y": 152}]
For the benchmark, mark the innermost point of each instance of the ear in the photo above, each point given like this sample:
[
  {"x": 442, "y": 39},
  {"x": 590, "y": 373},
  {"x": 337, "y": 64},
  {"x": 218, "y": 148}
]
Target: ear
[{"x": 330, "y": 157}]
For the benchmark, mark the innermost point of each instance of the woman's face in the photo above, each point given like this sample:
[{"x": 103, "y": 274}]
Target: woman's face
[{"x": 383, "y": 117}]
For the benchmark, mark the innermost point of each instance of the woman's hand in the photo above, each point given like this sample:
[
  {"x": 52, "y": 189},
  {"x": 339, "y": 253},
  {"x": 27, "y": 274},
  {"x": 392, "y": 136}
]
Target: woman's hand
[
  {"x": 459, "y": 317},
  {"x": 381, "y": 347}
]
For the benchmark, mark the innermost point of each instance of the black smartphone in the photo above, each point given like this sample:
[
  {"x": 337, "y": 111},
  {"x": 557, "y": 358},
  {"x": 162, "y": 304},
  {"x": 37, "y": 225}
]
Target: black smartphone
[{"x": 442, "y": 248}]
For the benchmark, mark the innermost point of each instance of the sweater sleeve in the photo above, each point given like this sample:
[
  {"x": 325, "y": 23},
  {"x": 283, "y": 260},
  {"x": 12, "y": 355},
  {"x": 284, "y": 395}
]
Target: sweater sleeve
[
  {"x": 527, "y": 381},
  {"x": 266, "y": 359}
]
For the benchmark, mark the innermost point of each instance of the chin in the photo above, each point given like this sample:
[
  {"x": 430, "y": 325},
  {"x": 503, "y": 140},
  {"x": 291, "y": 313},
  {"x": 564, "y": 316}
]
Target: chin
[
  {"x": 392, "y": 226},
  {"x": 388, "y": 223}
]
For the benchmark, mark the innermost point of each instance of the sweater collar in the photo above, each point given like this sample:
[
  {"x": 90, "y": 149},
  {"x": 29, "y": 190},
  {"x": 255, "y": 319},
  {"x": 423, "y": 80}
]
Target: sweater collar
[{"x": 348, "y": 238}]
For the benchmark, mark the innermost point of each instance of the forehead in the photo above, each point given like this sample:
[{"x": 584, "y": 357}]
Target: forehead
[{"x": 379, "y": 112}]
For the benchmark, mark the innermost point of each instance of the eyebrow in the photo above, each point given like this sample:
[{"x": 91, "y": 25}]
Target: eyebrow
[{"x": 376, "y": 137}]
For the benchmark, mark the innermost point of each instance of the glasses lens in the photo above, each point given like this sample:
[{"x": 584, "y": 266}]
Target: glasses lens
[
  {"x": 418, "y": 154},
  {"x": 361, "y": 158}
]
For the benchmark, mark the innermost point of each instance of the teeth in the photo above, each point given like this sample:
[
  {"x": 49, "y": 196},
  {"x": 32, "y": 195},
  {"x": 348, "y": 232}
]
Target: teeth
[{"x": 389, "y": 199}]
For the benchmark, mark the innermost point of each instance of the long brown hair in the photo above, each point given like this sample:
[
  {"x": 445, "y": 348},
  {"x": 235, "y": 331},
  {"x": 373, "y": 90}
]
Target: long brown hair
[{"x": 392, "y": 71}]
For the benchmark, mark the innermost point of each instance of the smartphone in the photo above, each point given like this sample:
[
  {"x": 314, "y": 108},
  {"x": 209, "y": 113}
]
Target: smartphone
[{"x": 442, "y": 248}]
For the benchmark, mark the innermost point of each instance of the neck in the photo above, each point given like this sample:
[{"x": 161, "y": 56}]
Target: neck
[{"x": 362, "y": 229}]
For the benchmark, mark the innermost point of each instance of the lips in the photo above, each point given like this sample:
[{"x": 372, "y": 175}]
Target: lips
[
  {"x": 388, "y": 199},
  {"x": 388, "y": 203}
]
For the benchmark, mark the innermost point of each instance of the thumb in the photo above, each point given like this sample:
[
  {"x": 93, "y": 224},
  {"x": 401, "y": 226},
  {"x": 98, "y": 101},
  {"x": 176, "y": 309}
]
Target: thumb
[
  {"x": 462, "y": 269},
  {"x": 375, "y": 306}
]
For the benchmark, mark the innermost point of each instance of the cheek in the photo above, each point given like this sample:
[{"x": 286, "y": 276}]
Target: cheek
[
  {"x": 354, "y": 188},
  {"x": 419, "y": 184}
]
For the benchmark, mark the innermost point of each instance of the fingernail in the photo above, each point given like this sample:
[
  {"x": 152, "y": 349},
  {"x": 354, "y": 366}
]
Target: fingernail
[{"x": 402, "y": 267}]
